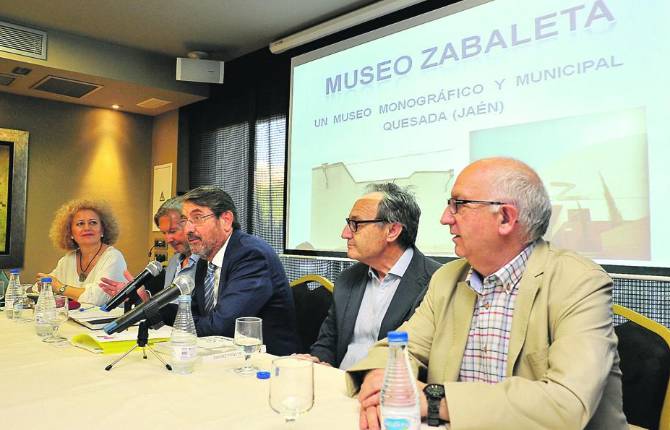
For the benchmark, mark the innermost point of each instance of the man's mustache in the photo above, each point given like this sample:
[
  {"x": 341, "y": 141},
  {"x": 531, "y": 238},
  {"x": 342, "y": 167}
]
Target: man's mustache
[{"x": 192, "y": 236}]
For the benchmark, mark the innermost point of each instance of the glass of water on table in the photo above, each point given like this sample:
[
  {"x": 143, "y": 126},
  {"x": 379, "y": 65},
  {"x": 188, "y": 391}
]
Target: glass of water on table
[
  {"x": 249, "y": 337},
  {"x": 291, "y": 387}
]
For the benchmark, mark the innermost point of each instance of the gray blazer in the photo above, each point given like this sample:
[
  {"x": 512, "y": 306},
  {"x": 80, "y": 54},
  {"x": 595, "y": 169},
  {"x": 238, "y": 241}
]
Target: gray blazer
[{"x": 337, "y": 329}]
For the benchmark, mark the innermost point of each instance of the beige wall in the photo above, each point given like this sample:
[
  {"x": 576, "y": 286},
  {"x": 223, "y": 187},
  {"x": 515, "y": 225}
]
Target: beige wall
[
  {"x": 164, "y": 143},
  {"x": 80, "y": 152}
]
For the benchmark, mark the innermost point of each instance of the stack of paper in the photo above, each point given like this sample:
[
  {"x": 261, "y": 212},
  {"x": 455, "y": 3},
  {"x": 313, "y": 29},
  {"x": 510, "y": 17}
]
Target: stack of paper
[{"x": 212, "y": 348}]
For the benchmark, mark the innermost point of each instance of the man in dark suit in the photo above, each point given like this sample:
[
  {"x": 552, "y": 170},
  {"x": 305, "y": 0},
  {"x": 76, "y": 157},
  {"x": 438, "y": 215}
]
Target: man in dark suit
[
  {"x": 238, "y": 274},
  {"x": 382, "y": 290}
]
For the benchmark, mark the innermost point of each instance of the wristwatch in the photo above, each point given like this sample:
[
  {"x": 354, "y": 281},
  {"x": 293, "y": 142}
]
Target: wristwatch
[{"x": 434, "y": 395}]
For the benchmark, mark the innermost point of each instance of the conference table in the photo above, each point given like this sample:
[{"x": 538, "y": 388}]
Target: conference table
[{"x": 66, "y": 387}]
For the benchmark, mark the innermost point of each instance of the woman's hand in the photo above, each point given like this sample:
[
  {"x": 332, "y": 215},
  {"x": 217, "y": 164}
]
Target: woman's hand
[{"x": 55, "y": 283}]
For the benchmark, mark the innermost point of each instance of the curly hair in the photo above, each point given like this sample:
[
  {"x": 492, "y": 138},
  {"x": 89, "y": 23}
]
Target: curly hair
[{"x": 61, "y": 228}]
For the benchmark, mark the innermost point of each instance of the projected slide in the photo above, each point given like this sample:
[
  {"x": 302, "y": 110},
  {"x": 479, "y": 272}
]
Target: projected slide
[{"x": 576, "y": 89}]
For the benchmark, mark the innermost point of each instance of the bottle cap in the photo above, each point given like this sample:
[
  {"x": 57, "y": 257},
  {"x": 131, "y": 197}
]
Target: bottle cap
[
  {"x": 397, "y": 336},
  {"x": 262, "y": 374},
  {"x": 14, "y": 271},
  {"x": 46, "y": 279}
]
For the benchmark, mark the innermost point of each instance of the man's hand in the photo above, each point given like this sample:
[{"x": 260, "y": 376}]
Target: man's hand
[
  {"x": 370, "y": 398},
  {"x": 311, "y": 358},
  {"x": 423, "y": 402},
  {"x": 112, "y": 288}
]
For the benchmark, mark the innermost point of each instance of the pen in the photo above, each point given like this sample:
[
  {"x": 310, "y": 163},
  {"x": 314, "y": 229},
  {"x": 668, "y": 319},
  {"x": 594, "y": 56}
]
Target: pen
[{"x": 85, "y": 309}]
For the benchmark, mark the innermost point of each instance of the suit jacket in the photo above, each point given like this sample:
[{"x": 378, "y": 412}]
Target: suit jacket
[
  {"x": 562, "y": 368},
  {"x": 252, "y": 283},
  {"x": 337, "y": 329}
]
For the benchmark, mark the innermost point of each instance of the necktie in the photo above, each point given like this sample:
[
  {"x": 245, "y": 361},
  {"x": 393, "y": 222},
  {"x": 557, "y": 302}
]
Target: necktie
[{"x": 209, "y": 287}]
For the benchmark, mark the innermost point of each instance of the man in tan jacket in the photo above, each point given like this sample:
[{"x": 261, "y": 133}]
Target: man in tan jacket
[{"x": 515, "y": 334}]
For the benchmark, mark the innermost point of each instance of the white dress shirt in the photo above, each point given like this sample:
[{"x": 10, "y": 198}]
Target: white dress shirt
[{"x": 376, "y": 300}]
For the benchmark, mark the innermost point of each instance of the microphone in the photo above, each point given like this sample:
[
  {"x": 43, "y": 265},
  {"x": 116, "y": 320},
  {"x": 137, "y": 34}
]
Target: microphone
[
  {"x": 183, "y": 284},
  {"x": 152, "y": 270}
]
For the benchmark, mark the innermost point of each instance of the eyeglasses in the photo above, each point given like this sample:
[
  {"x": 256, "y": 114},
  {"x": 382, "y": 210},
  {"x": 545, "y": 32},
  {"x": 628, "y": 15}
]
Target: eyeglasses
[
  {"x": 195, "y": 220},
  {"x": 455, "y": 203},
  {"x": 353, "y": 223}
]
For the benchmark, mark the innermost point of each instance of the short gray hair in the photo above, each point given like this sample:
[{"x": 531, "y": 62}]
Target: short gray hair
[
  {"x": 524, "y": 188},
  {"x": 398, "y": 205},
  {"x": 170, "y": 205}
]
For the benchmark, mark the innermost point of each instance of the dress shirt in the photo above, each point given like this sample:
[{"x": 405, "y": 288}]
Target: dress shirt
[
  {"x": 218, "y": 261},
  {"x": 176, "y": 263},
  {"x": 376, "y": 300},
  {"x": 188, "y": 270},
  {"x": 485, "y": 356}
]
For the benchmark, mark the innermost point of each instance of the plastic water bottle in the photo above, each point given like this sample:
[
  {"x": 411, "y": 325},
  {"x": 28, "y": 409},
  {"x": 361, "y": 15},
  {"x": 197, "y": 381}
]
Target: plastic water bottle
[
  {"x": 184, "y": 340},
  {"x": 45, "y": 309},
  {"x": 399, "y": 396},
  {"x": 14, "y": 296}
]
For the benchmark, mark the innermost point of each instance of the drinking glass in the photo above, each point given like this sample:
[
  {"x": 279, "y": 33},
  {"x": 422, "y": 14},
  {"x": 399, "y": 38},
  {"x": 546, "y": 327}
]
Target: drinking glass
[
  {"x": 29, "y": 300},
  {"x": 248, "y": 336},
  {"x": 291, "y": 387},
  {"x": 60, "y": 316}
]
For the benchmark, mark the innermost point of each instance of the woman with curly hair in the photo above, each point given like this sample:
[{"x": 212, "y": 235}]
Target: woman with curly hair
[{"x": 86, "y": 229}]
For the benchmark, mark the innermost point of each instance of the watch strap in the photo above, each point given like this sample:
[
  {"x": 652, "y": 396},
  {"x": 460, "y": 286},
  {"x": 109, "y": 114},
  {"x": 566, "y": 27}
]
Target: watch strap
[{"x": 433, "y": 416}]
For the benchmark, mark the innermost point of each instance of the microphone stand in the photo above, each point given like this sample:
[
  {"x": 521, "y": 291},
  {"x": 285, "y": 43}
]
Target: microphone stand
[{"x": 142, "y": 342}]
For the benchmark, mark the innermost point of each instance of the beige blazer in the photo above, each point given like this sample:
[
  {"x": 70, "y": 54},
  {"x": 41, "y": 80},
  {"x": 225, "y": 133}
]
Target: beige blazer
[{"x": 563, "y": 367}]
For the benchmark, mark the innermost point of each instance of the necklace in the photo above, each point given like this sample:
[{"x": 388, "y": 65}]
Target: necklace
[{"x": 83, "y": 271}]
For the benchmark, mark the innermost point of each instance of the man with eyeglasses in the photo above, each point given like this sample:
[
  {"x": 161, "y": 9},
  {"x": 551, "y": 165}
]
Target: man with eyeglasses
[
  {"x": 183, "y": 262},
  {"x": 242, "y": 274},
  {"x": 514, "y": 335},
  {"x": 382, "y": 290}
]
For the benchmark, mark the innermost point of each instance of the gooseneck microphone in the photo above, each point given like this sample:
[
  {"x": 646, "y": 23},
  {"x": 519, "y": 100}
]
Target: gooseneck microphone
[
  {"x": 183, "y": 284},
  {"x": 151, "y": 271}
]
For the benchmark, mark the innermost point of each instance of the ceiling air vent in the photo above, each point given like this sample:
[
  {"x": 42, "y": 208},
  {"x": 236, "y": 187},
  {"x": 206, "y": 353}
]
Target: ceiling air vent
[
  {"x": 153, "y": 103},
  {"x": 25, "y": 41},
  {"x": 6, "y": 80},
  {"x": 65, "y": 87}
]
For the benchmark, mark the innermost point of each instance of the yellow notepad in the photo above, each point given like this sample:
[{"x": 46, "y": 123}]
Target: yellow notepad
[{"x": 101, "y": 343}]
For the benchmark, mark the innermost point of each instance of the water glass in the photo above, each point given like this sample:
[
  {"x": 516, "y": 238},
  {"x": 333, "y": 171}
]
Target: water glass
[
  {"x": 60, "y": 316},
  {"x": 291, "y": 387},
  {"x": 249, "y": 337}
]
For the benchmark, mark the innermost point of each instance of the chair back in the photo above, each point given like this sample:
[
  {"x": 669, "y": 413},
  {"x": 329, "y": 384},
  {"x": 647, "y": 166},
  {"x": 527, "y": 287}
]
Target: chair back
[
  {"x": 312, "y": 295},
  {"x": 644, "y": 349}
]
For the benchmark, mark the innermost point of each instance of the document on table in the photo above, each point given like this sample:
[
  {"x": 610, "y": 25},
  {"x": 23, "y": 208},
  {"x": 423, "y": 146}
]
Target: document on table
[{"x": 94, "y": 318}]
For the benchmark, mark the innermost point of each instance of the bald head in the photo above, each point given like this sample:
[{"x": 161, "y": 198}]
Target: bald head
[
  {"x": 496, "y": 166},
  {"x": 515, "y": 182}
]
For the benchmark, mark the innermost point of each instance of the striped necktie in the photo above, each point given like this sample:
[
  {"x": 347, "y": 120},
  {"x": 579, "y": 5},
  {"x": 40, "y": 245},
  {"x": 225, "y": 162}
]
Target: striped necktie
[{"x": 209, "y": 287}]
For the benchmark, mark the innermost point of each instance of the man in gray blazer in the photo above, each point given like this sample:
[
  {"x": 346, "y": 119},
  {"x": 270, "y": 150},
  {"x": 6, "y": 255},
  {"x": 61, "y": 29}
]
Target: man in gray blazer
[
  {"x": 382, "y": 290},
  {"x": 183, "y": 262}
]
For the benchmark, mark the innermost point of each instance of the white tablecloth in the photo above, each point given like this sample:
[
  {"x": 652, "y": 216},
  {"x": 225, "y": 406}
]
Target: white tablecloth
[{"x": 49, "y": 387}]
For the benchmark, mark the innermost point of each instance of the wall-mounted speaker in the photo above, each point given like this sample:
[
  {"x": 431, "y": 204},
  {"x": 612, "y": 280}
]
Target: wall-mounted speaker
[{"x": 194, "y": 70}]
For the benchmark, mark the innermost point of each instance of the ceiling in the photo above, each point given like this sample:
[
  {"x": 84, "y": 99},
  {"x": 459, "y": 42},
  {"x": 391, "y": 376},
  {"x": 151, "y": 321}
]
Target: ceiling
[{"x": 226, "y": 29}]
